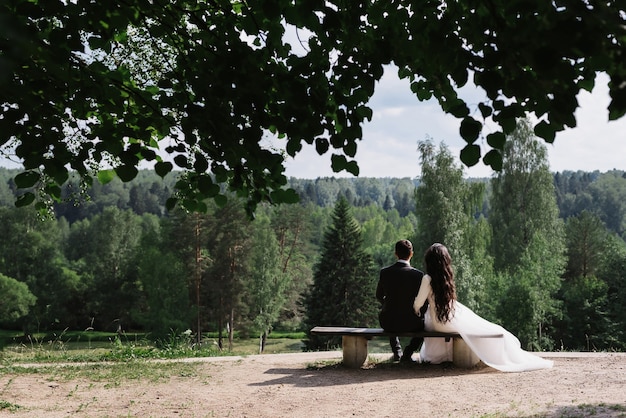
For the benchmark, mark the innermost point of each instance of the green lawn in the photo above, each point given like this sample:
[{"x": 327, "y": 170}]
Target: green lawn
[{"x": 91, "y": 346}]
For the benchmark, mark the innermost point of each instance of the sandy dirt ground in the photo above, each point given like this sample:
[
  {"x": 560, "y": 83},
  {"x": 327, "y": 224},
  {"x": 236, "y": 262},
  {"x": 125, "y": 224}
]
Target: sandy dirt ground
[{"x": 317, "y": 385}]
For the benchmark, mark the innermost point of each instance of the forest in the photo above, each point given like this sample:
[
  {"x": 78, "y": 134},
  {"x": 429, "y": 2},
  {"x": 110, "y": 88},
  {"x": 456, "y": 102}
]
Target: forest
[{"x": 542, "y": 253}]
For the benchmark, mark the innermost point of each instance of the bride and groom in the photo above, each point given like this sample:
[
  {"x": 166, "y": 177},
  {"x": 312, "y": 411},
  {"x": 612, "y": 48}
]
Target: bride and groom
[{"x": 414, "y": 301}]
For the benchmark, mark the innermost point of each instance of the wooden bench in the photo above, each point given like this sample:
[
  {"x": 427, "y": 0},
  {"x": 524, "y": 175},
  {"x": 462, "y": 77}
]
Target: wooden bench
[{"x": 354, "y": 343}]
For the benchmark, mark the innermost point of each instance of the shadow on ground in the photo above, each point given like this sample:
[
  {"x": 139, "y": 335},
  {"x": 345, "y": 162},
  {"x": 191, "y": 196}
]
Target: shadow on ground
[
  {"x": 334, "y": 373},
  {"x": 601, "y": 410}
]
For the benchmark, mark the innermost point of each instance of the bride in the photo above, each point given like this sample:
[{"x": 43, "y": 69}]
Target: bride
[{"x": 447, "y": 314}]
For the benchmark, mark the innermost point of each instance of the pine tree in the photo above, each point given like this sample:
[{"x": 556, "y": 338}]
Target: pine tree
[
  {"x": 190, "y": 234},
  {"x": 586, "y": 241},
  {"x": 228, "y": 245},
  {"x": 344, "y": 281}
]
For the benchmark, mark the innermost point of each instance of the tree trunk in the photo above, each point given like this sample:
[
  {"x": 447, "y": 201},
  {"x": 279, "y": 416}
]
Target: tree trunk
[
  {"x": 197, "y": 279},
  {"x": 263, "y": 340},
  {"x": 231, "y": 330},
  {"x": 220, "y": 327}
]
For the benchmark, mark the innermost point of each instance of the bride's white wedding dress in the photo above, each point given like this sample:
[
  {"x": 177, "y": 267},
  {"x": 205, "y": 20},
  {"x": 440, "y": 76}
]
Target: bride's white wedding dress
[{"x": 504, "y": 353}]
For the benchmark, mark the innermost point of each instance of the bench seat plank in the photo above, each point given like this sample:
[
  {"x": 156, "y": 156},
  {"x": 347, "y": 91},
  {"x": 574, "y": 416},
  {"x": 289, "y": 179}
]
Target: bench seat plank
[{"x": 379, "y": 332}]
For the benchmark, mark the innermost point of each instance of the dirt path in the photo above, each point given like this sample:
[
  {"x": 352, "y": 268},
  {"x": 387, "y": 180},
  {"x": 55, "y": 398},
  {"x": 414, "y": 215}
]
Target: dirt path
[{"x": 314, "y": 385}]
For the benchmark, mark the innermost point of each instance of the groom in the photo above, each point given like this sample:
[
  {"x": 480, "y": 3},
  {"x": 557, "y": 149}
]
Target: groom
[{"x": 397, "y": 288}]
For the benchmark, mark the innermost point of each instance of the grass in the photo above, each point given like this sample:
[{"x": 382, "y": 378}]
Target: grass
[
  {"x": 71, "y": 347},
  {"x": 113, "y": 374},
  {"x": 90, "y": 346},
  {"x": 107, "y": 357},
  {"x": 40, "y": 352},
  {"x": 584, "y": 410},
  {"x": 601, "y": 409},
  {"x": 8, "y": 406},
  {"x": 117, "y": 359}
]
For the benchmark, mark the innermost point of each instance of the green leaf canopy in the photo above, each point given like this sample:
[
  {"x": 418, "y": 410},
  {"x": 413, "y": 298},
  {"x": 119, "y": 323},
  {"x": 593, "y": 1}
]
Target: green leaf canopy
[{"x": 90, "y": 85}]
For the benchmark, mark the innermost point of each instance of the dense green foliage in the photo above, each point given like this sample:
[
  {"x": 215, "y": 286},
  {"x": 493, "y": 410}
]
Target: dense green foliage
[
  {"x": 95, "y": 90},
  {"x": 16, "y": 299},
  {"x": 111, "y": 265},
  {"x": 102, "y": 87},
  {"x": 528, "y": 239},
  {"x": 446, "y": 207},
  {"x": 344, "y": 281}
]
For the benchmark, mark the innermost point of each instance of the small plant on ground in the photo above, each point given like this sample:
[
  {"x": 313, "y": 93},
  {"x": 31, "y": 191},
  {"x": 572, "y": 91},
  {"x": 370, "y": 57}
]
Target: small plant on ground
[
  {"x": 8, "y": 406},
  {"x": 324, "y": 364}
]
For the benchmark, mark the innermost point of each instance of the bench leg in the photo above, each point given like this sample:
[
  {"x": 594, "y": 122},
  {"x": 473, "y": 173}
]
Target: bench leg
[
  {"x": 354, "y": 351},
  {"x": 463, "y": 356}
]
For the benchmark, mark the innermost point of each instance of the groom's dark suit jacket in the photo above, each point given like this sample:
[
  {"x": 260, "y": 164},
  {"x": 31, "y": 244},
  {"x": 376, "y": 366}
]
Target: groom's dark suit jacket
[{"x": 397, "y": 288}]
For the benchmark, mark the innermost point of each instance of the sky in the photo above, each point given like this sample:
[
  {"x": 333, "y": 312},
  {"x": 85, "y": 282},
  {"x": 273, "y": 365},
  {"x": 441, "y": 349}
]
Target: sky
[{"x": 400, "y": 121}]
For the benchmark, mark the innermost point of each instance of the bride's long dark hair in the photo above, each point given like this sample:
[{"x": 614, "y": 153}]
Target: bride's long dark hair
[{"x": 439, "y": 267}]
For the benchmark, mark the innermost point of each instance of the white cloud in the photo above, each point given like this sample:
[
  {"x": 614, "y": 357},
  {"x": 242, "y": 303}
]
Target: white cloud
[
  {"x": 596, "y": 143},
  {"x": 390, "y": 140}
]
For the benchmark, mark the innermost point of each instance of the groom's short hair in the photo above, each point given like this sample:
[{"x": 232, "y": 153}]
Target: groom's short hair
[{"x": 404, "y": 249}]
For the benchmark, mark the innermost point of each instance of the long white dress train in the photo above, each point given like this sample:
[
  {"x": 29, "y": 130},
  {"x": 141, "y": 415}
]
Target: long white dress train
[{"x": 503, "y": 354}]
